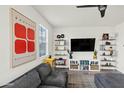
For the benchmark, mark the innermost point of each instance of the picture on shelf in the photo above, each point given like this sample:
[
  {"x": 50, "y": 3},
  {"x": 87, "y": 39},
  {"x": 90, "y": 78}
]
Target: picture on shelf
[
  {"x": 108, "y": 43},
  {"x": 94, "y": 65},
  {"x": 105, "y": 36},
  {"x": 84, "y": 65},
  {"x": 62, "y": 42},
  {"x": 74, "y": 65},
  {"x": 60, "y": 61},
  {"x": 104, "y": 54},
  {"x": 60, "y": 36},
  {"x": 111, "y": 51}
]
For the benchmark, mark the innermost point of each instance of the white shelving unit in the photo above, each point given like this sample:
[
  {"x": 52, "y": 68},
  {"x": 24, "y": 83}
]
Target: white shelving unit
[
  {"x": 84, "y": 65},
  {"x": 108, "y": 53},
  {"x": 60, "y": 66},
  {"x": 74, "y": 64},
  {"x": 60, "y": 52}
]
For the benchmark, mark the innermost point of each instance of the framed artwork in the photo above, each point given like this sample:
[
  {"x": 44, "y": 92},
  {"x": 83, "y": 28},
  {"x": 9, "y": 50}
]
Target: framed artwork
[
  {"x": 42, "y": 41},
  {"x": 23, "y": 37},
  {"x": 105, "y": 36}
]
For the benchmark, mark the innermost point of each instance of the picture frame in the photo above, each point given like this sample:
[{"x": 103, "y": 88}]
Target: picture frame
[
  {"x": 23, "y": 39},
  {"x": 105, "y": 36}
]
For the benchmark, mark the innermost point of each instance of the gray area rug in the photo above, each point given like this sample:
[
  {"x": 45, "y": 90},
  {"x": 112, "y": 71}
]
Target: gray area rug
[
  {"x": 79, "y": 79},
  {"x": 83, "y": 79}
]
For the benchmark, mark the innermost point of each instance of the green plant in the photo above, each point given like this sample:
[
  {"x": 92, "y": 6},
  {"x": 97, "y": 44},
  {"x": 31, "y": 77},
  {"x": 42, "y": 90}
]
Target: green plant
[{"x": 70, "y": 53}]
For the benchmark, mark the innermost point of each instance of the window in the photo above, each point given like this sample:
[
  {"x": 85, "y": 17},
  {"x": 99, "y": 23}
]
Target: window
[{"x": 42, "y": 41}]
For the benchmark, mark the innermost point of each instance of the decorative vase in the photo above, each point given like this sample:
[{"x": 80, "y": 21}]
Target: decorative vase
[{"x": 70, "y": 56}]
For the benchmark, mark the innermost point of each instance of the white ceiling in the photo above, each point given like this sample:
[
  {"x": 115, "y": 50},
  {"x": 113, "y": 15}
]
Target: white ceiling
[{"x": 69, "y": 15}]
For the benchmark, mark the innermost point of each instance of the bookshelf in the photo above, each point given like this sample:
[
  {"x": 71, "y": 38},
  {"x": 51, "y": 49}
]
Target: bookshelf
[
  {"x": 84, "y": 65},
  {"x": 108, "y": 53},
  {"x": 60, "y": 53}
]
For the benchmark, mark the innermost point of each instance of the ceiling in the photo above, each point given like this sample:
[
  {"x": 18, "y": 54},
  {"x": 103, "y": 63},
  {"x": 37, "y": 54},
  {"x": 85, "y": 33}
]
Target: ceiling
[{"x": 70, "y": 16}]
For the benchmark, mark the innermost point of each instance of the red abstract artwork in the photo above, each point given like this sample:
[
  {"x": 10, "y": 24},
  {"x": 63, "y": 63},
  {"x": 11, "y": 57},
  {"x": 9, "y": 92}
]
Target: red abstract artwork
[
  {"x": 23, "y": 38},
  {"x": 20, "y": 31},
  {"x": 31, "y": 46},
  {"x": 30, "y": 34},
  {"x": 20, "y": 46}
]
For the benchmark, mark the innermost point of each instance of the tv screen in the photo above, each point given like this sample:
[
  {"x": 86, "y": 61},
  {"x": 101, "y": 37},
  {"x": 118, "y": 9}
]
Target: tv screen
[{"x": 83, "y": 44}]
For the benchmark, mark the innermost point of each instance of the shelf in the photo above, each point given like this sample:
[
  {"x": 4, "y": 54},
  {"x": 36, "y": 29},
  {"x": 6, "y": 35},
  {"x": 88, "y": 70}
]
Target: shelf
[
  {"x": 108, "y": 45},
  {"x": 74, "y": 69},
  {"x": 61, "y": 66},
  {"x": 106, "y": 67},
  {"x": 108, "y": 40},
  {"x": 84, "y": 70},
  {"x": 60, "y": 40},
  {"x": 94, "y": 65},
  {"x": 84, "y": 65},
  {"x": 60, "y": 45},
  {"x": 109, "y": 60},
  {"x": 107, "y": 50},
  {"x": 109, "y": 55},
  {"x": 74, "y": 64},
  {"x": 95, "y": 70},
  {"x": 59, "y": 55},
  {"x": 60, "y": 50}
]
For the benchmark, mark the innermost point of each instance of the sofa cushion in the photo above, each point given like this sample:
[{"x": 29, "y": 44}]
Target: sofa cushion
[
  {"x": 111, "y": 80},
  {"x": 29, "y": 80},
  {"x": 56, "y": 79},
  {"x": 44, "y": 70},
  {"x": 54, "y": 73}
]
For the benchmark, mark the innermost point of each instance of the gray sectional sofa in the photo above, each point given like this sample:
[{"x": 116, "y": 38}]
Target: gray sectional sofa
[
  {"x": 109, "y": 80},
  {"x": 40, "y": 77}
]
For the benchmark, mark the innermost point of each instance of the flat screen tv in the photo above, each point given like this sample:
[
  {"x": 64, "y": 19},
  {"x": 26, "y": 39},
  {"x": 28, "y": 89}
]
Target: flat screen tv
[{"x": 82, "y": 44}]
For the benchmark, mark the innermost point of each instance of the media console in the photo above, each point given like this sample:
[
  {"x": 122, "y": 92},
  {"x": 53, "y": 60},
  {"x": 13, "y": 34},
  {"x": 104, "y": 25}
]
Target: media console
[{"x": 84, "y": 65}]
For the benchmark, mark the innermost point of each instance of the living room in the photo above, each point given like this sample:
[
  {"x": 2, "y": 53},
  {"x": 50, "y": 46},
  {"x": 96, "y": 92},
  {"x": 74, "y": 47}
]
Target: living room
[{"x": 82, "y": 44}]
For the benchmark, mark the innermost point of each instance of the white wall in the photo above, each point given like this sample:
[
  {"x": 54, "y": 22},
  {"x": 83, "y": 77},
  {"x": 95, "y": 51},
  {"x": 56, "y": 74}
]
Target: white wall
[
  {"x": 84, "y": 32},
  {"x": 7, "y": 73},
  {"x": 120, "y": 47}
]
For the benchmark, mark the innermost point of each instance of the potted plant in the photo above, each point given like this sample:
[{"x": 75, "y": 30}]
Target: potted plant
[
  {"x": 95, "y": 55},
  {"x": 70, "y": 54}
]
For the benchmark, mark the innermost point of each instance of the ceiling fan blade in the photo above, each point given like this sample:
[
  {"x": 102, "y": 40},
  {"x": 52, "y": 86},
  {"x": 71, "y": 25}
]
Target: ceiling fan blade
[
  {"x": 102, "y": 9},
  {"x": 86, "y": 6},
  {"x": 102, "y": 13}
]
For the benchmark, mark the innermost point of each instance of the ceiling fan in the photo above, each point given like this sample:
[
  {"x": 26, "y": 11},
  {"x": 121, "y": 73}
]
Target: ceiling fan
[{"x": 101, "y": 8}]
